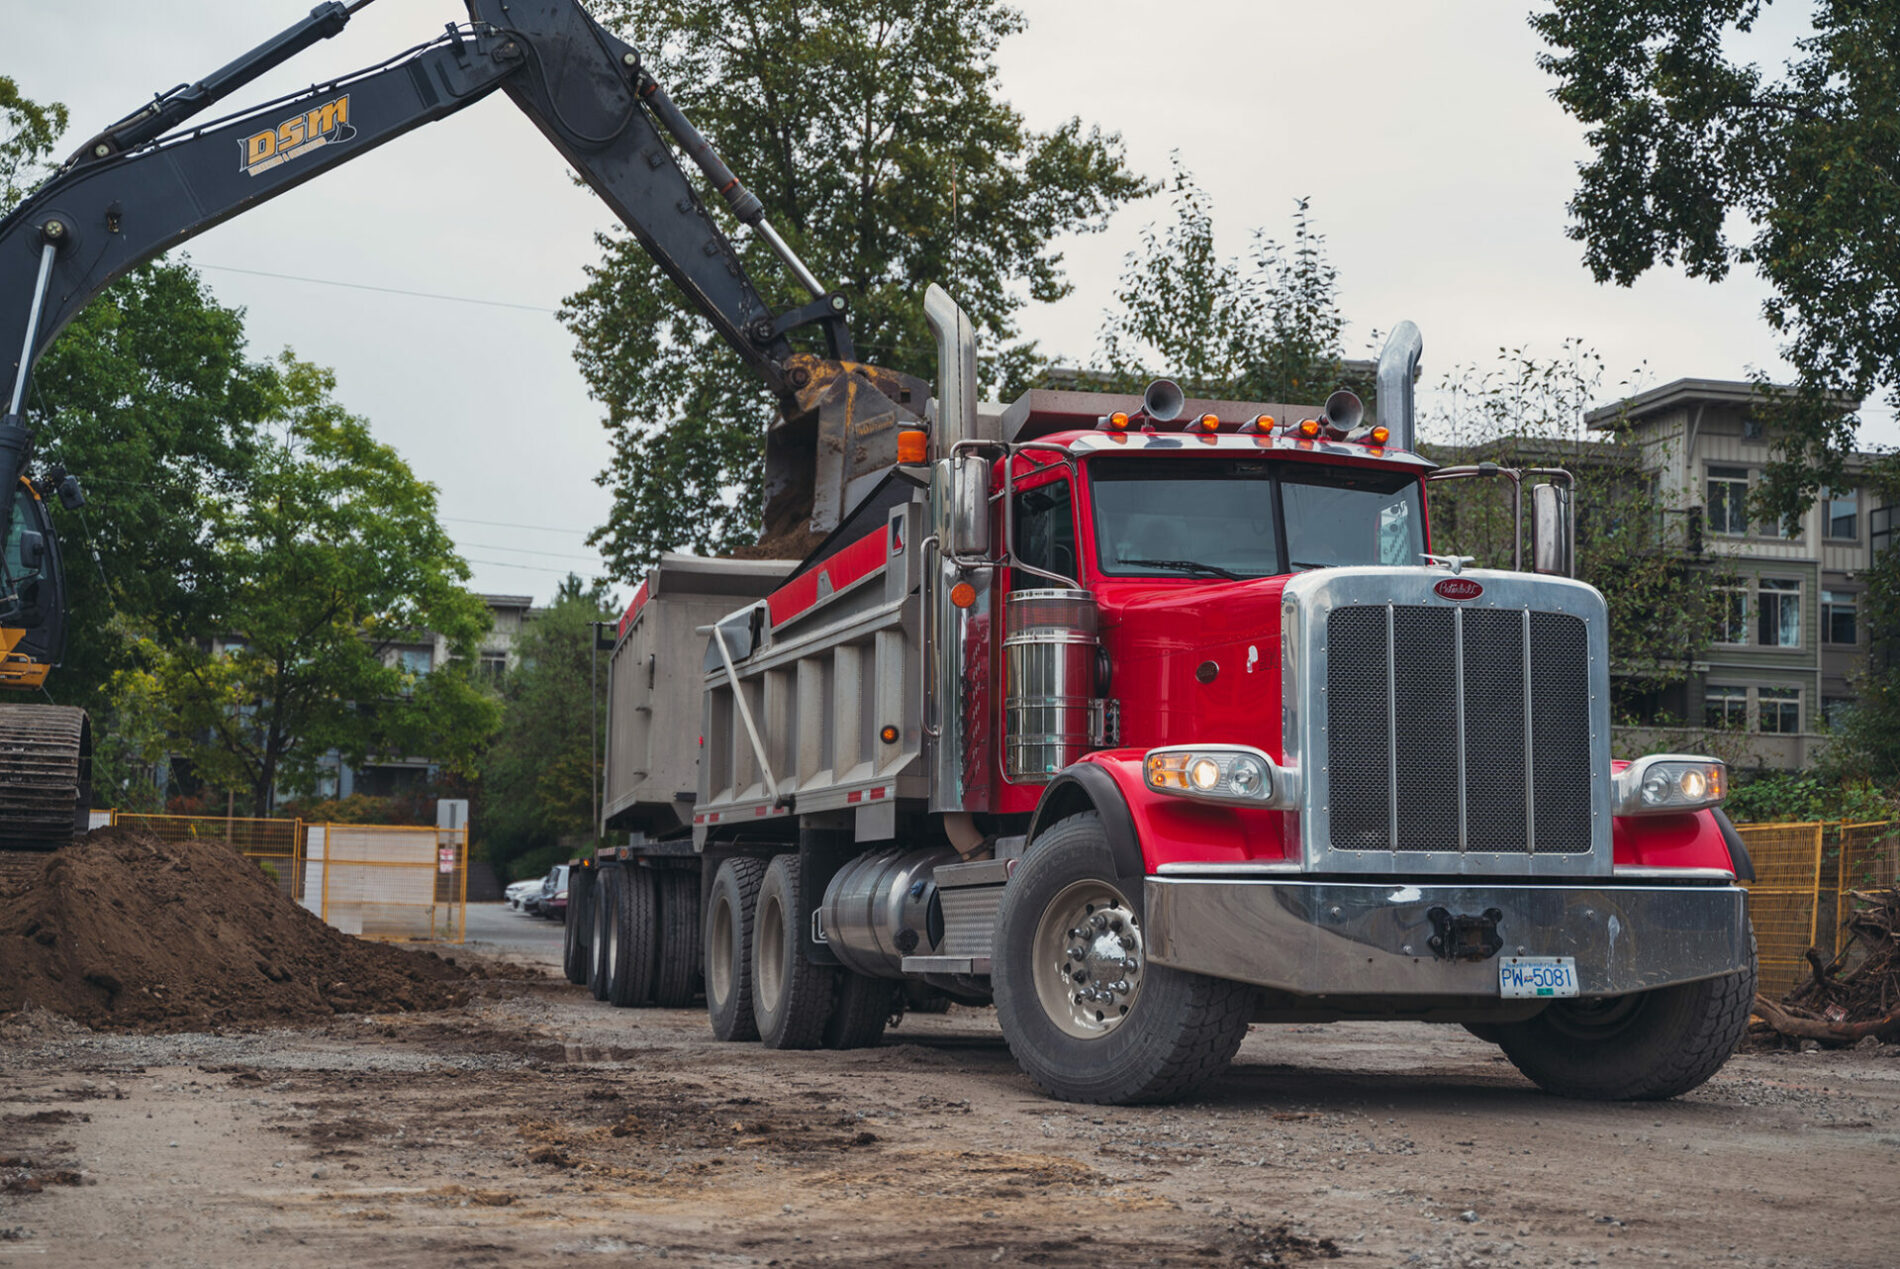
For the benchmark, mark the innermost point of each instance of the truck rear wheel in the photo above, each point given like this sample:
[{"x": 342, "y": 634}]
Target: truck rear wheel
[
  {"x": 578, "y": 938},
  {"x": 1646, "y": 1046},
  {"x": 861, "y": 1008},
  {"x": 1086, "y": 1016},
  {"x": 677, "y": 979},
  {"x": 791, "y": 996},
  {"x": 638, "y": 935},
  {"x": 600, "y": 965},
  {"x": 729, "y": 912}
]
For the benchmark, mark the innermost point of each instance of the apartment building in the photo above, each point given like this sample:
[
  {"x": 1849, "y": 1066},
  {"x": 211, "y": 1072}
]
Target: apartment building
[{"x": 1791, "y": 636}]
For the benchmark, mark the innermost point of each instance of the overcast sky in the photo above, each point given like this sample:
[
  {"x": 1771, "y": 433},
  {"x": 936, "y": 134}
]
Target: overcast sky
[{"x": 1424, "y": 133}]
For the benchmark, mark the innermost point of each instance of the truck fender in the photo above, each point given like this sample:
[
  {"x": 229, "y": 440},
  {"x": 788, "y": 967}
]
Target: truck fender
[{"x": 1087, "y": 786}]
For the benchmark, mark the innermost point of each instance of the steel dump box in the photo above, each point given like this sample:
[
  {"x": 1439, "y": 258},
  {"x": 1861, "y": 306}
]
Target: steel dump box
[{"x": 655, "y": 681}]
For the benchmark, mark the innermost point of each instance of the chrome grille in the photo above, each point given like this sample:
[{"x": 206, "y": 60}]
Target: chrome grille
[{"x": 1458, "y": 730}]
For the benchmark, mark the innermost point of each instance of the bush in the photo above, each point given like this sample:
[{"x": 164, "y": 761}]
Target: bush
[{"x": 1787, "y": 797}]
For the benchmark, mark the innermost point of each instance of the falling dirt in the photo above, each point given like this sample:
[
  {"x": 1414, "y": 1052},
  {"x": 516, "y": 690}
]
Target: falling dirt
[{"x": 122, "y": 930}]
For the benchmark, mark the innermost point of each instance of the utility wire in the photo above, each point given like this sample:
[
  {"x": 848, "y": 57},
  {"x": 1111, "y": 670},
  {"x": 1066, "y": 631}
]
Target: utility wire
[{"x": 385, "y": 290}]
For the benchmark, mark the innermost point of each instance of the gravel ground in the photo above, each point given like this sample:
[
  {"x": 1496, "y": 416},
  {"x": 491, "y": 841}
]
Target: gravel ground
[{"x": 537, "y": 1125}]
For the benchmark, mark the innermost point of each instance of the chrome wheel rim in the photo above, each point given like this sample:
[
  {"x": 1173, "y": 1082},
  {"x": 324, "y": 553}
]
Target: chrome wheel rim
[
  {"x": 768, "y": 942},
  {"x": 719, "y": 953},
  {"x": 1088, "y": 958}
]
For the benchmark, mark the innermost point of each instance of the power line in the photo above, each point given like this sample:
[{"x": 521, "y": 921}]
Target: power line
[
  {"x": 518, "y": 550},
  {"x": 503, "y": 524},
  {"x": 385, "y": 290}
]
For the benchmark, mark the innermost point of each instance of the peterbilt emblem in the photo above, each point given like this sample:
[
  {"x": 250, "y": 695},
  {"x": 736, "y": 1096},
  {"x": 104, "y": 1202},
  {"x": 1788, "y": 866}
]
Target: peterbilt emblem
[{"x": 1458, "y": 588}]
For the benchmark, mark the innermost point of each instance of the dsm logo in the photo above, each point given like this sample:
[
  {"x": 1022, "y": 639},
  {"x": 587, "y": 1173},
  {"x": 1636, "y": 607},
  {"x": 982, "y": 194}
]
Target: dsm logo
[{"x": 325, "y": 125}]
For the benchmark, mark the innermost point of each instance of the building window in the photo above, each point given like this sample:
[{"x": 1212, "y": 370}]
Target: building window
[
  {"x": 1778, "y": 605},
  {"x": 1834, "y": 710},
  {"x": 1780, "y": 709},
  {"x": 494, "y": 666},
  {"x": 416, "y": 661},
  {"x": 1751, "y": 427},
  {"x": 1837, "y": 617},
  {"x": 1728, "y": 501},
  {"x": 1880, "y": 530},
  {"x": 1731, "y": 614},
  {"x": 1725, "y": 707},
  {"x": 1843, "y": 515}
]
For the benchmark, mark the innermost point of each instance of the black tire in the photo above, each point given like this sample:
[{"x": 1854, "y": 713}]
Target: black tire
[
  {"x": 861, "y": 1008},
  {"x": 728, "y": 925},
  {"x": 600, "y": 966},
  {"x": 1648, "y": 1046},
  {"x": 791, "y": 996},
  {"x": 638, "y": 960},
  {"x": 1156, "y": 1039},
  {"x": 578, "y": 939},
  {"x": 677, "y": 980}
]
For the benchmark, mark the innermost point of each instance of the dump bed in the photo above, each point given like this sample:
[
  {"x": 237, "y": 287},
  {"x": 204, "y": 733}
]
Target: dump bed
[{"x": 654, "y": 685}]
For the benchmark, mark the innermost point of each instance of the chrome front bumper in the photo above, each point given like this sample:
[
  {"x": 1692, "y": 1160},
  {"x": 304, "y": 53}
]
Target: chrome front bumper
[{"x": 1339, "y": 938}]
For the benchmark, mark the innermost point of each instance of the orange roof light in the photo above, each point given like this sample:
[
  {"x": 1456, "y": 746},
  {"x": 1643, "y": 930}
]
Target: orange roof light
[
  {"x": 963, "y": 594},
  {"x": 1379, "y": 435},
  {"x": 1208, "y": 422},
  {"x": 913, "y": 446},
  {"x": 1264, "y": 422},
  {"x": 1116, "y": 422},
  {"x": 1309, "y": 428}
]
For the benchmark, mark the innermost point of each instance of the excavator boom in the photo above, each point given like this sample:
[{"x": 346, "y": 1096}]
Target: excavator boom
[{"x": 151, "y": 181}]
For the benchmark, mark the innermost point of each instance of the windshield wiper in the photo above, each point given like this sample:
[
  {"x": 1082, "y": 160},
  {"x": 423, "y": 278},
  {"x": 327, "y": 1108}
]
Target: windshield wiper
[{"x": 1187, "y": 566}]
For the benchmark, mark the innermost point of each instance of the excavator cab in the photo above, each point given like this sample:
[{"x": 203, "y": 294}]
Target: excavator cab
[{"x": 32, "y": 594}]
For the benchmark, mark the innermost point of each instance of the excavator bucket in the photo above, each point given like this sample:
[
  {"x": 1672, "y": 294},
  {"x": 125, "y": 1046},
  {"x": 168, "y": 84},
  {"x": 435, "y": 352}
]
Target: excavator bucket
[
  {"x": 45, "y": 775},
  {"x": 834, "y": 440}
]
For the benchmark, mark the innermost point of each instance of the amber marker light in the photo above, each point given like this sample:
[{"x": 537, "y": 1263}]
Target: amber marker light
[
  {"x": 1208, "y": 422},
  {"x": 963, "y": 594},
  {"x": 1309, "y": 428},
  {"x": 913, "y": 446},
  {"x": 1264, "y": 422},
  {"x": 1116, "y": 422},
  {"x": 888, "y": 735},
  {"x": 1379, "y": 435}
]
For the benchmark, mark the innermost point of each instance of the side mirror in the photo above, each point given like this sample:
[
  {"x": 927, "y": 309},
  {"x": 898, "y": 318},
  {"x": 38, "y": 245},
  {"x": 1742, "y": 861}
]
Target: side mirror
[
  {"x": 1552, "y": 531},
  {"x": 32, "y": 550},
  {"x": 969, "y": 507}
]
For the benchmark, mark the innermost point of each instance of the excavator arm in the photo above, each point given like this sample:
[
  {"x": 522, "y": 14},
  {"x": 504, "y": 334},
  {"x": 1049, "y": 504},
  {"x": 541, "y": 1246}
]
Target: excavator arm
[{"x": 154, "y": 180}]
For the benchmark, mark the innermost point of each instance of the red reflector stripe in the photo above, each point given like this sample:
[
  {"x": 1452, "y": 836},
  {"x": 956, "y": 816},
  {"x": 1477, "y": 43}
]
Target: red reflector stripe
[
  {"x": 633, "y": 609},
  {"x": 855, "y": 796},
  {"x": 853, "y": 564},
  {"x": 878, "y": 793}
]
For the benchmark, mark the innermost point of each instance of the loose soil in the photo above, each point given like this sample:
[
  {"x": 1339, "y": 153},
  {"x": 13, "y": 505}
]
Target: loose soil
[
  {"x": 535, "y": 1125},
  {"x": 124, "y": 930}
]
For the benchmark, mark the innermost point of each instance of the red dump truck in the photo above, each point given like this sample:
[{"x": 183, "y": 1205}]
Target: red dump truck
[{"x": 1142, "y": 719}]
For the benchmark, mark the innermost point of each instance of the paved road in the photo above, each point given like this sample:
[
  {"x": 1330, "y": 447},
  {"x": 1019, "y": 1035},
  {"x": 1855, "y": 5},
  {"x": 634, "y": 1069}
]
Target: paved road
[{"x": 495, "y": 929}]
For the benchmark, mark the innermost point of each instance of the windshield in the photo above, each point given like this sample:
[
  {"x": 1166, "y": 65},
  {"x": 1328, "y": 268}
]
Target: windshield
[{"x": 1222, "y": 517}]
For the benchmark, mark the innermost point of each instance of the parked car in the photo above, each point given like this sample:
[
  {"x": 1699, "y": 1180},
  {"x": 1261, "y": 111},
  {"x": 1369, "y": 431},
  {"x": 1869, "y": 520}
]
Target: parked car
[
  {"x": 517, "y": 892},
  {"x": 554, "y": 894}
]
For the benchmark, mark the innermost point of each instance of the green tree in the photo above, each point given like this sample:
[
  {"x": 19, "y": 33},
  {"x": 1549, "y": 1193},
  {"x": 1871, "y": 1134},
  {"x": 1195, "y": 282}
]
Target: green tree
[
  {"x": 873, "y": 131},
  {"x": 1265, "y": 326},
  {"x": 538, "y": 775},
  {"x": 1527, "y": 411},
  {"x": 330, "y": 558},
  {"x": 1704, "y": 160},
  {"x": 28, "y": 132}
]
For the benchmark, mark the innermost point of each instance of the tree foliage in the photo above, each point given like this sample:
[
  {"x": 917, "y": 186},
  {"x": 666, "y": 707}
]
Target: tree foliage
[
  {"x": 1263, "y": 326},
  {"x": 1707, "y": 161},
  {"x": 28, "y": 132},
  {"x": 874, "y": 134},
  {"x": 330, "y": 557},
  {"x": 1527, "y": 411},
  {"x": 538, "y": 775}
]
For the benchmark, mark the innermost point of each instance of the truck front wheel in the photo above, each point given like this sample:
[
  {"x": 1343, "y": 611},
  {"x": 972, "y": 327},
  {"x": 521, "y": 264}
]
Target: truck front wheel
[
  {"x": 1086, "y": 1016},
  {"x": 729, "y": 912},
  {"x": 1646, "y": 1046}
]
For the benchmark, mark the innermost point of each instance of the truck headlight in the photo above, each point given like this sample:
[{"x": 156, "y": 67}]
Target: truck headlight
[
  {"x": 1234, "y": 774},
  {"x": 1668, "y": 782}
]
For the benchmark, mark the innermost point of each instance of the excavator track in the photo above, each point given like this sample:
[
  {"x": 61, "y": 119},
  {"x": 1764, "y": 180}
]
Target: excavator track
[{"x": 45, "y": 775}]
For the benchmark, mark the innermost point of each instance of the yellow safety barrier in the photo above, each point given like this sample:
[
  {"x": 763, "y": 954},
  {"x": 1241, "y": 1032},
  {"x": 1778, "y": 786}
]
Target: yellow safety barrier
[
  {"x": 1784, "y": 898},
  {"x": 276, "y": 846},
  {"x": 1870, "y": 860},
  {"x": 383, "y": 882}
]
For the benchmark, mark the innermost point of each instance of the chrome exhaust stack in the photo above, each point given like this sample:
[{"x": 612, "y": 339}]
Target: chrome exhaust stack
[{"x": 1398, "y": 367}]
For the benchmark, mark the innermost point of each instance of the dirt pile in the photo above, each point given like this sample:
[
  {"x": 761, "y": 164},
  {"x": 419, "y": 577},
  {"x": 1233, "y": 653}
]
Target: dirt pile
[
  {"x": 1855, "y": 995},
  {"x": 124, "y": 930}
]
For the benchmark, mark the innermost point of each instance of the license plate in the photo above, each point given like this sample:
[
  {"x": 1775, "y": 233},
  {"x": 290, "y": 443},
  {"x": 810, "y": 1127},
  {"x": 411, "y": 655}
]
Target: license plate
[{"x": 1528, "y": 977}]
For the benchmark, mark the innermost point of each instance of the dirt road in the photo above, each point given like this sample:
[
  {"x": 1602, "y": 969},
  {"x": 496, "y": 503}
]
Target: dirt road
[{"x": 538, "y": 1126}]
